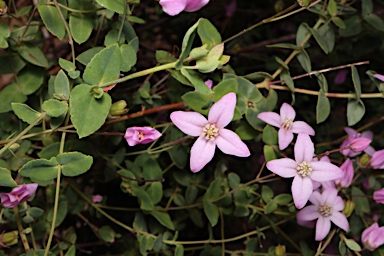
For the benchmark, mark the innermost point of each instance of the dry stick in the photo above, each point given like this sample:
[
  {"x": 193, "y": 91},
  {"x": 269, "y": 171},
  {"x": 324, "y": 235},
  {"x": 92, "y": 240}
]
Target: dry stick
[{"x": 21, "y": 229}]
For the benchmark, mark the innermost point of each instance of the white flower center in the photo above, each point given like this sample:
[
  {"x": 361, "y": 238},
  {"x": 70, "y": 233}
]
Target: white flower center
[
  {"x": 210, "y": 132},
  {"x": 325, "y": 210},
  {"x": 304, "y": 169},
  {"x": 287, "y": 124}
]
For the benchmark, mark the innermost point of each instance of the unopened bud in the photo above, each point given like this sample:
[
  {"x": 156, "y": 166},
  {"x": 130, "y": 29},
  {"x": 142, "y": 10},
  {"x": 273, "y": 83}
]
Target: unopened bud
[
  {"x": 364, "y": 160},
  {"x": 359, "y": 144},
  {"x": 9, "y": 238},
  {"x": 303, "y": 3},
  {"x": 279, "y": 6},
  {"x": 349, "y": 207},
  {"x": 280, "y": 250},
  {"x": 118, "y": 108},
  {"x": 3, "y": 8}
]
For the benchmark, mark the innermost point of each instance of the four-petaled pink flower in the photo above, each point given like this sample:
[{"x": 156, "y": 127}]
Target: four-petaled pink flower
[
  {"x": 373, "y": 237},
  {"x": 18, "y": 195},
  {"x": 286, "y": 124},
  {"x": 377, "y": 160},
  {"x": 352, "y": 136},
  {"x": 378, "y": 196},
  {"x": 211, "y": 132},
  {"x": 326, "y": 208},
  {"x": 141, "y": 135},
  {"x": 174, "y": 7},
  {"x": 304, "y": 170}
]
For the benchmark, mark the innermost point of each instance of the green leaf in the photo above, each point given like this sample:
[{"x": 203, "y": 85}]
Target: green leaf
[
  {"x": 269, "y": 135},
  {"x": 11, "y": 94},
  {"x": 196, "y": 81},
  {"x": 15, "y": 63},
  {"x": 61, "y": 86},
  {"x": 305, "y": 60},
  {"x": 25, "y": 113},
  {"x": 234, "y": 180},
  {"x": 356, "y": 82},
  {"x": 225, "y": 87},
  {"x": 270, "y": 207},
  {"x": 323, "y": 107},
  {"x": 375, "y": 21},
  {"x": 355, "y": 111},
  {"x": 339, "y": 22},
  {"x": 191, "y": 194},
  {"x": 112, "y": 36},
  {"x": 198, "y": 52},
  {"x": 211, "y": 211},
  {"x": 54, "y": 108},
  {"x": 66, "y": 65},
  {"x": 208, "y": 33},
  {"x": 266, "y": 193},
  {"x": 353, "y": 26},
  {"x": 269, "y": 153},
  {"x": 332, "y": 7},
  {"x": 284, "y": 46},
  {"x": 146, "y": 203},
  {"x": 85, "y": 57},
  {"x": 283, "y": 199},
  {"x": 179, "y": 251},
  {"x": 286, "y": 76},
  {"x": 74, "y": 163},
  {"x": 186, "y": 46},
  {"x": 361, "y": 201},
  {"x": 352, "y": 245},
  {"x": 52, "y": 20},
  {"x": 33, "y": 54},
  {"x": 155, "y": 191},
  {"x": 319, "y": 39},
  {"x": 6, "y": 179},
  {"x": 326, "y": 32},
  {"x": 197, "y": 101},
  {"x": 246, "y": 131},
  {"x": 40, "y": 169},
  {"x": 113, "y": 5},
  {"x": 61, "y": 212},
  {"x": 81, "y": 27},
  {"x": 163, "y": 218},
  {"x": 104, "y": 66},
  {"x": 30, "y": 79},
  {"x": 88, "y": 114},
  {"x": 128, "y": 57},
  {"x": 107, "y": 234}
]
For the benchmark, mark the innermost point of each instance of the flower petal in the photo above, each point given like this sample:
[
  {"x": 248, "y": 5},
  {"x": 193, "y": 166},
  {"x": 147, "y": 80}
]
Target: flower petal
[
  {"x": 316, "y": 198},
  {"x": 284, "y": 167},
  {"x": 304, "y": 148},
  {"x": 329, "y": 195},
  {"x": 270, "y": 118},
  {"x": 285, "y": 137},
  {"x": 302, "y": 127},
  {"x": 202, "y": 153},
  {"x": 287, "y": 111},
  {"x": 190, "y": 123},
  {"x": 323, "y": 225},
  {"x": 301, "y": 190},
  {"x": 308, "y": 213},
  {"x": 338, "y": 204},
  {"x": 230, "y": 143},
  {"x": 221, "y": 113},
  {"x": 194, "y": 5},
  {"x": 322, "y": 171},
  {"x": 173, "y": 7},
  {"x": 340, "y": 220},
  {"x": 350, "y": 131}
]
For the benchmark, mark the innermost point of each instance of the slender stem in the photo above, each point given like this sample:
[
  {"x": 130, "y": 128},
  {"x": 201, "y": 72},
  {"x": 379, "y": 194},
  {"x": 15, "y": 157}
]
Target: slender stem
[
  {"x": 75, "y": 10},
  {"x": 23, "y": 237},
  {"x": 20, "y": 135},
  {"x": 322, "y": 248},
  {"x": 122, "y": 23}
]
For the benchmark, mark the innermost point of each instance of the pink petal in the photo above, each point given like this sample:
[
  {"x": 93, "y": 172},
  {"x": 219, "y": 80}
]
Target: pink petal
[
  {"x": 340, "y": 220},
  {"x": 304, "y": 148},
  {"x": 302, "y": 127},
  {"x": 350, "y": 131},
  {"x": 301, "y": 190},
  {"x": 338, "y": 204},
  {"x": 316, "y": 198},
  {"x": 322, "y": 171},
  {"x": 287, "y": 111},
  {"x": 173, "y": 7},
  {"x": 329, "y": 195},
  {"x": 230, "y": 143},
  {"x": 202, "y": 153},
  {"x": 221, "y": 113},
  {"x": 190, "y": 123},
  {"x": 284, "y": 167},
  {"x": 194, "y": 5},
  {"x": 270, "y": 118},
  {"x": 323, "y": 226},
  {"x": 380, "y": 77},
  {"x": 367, "y": 232},
  {"x": 285, "y": 137},
  {"x": 367, "y": 134},
  {"x": 308, "y": 213}
]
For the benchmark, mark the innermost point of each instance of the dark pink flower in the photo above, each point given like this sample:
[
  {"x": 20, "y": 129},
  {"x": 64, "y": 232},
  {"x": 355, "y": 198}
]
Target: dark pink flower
[
  {"x": 373, "y": 237},
  {"x": 352, "y": 135},
  {"x": 377, "y": 160},
  {"x": 326, "y": 208},
  {"x": 211, "y": 132},
  {"x": 174, "y": 7},
  {"x": 141, "y": 135},
  {"x": 18, "y": 195},
  {"x": 304, "y": 170},
  {"x": 97, "y": 198},
  {"x": 360, "y": 144},
  {"x": 285, "y": 122},
  {"x": 378, "y": 196},
  {"x": 346, "y": 180}
]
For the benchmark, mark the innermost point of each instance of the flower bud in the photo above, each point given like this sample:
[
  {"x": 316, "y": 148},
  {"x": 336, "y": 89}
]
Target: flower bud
[
  {"x": 118, "y": 108},
  {"x": 364, "y": 160},
  {"x": 280, "y": 250},
  {"x": 347, "y": 168},
  {"x": 359, "y": 144},
  {"x": 373, "y": 237},
  {"x": 3, "y": 8},
  {"x": 141, "y": 135},
  {"x": 377, "y": 160},
  {"x": 18, "y": 195},
  {"x": 378, "y": 196},
  {"x": 349, "y": 207},
  {"x": 9, "y": 238}
]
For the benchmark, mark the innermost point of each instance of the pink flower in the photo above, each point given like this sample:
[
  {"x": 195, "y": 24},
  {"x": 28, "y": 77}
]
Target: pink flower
[
  {"x": 373, "y": 237},
  {"x": 352, "y": 135},
  {"x": 174, "y": 7},
  {"x": 377, "y": 160},
  {"x": 346, "y": 180},
  {"x": 325, "y": 184},
  {"x": 378, "y": 196},
  {"x": 209, "y": 83},
  {"x": 18, "y": 195},
  {"x": 326, "y": 208},
  {"x": 97, "y": 198},
  {"x": 380, "y": 77},
  {"x": 211, "y": 132},
  {"x": 304, "y": 170},
  {"x": 286, "y": 124},
  {"x": 360, "y": 144},
  {"x": 141, "y": 135}
]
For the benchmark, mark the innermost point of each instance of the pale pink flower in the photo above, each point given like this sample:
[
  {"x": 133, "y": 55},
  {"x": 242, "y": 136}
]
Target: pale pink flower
[
  {"x": 377, "y": 160},
  {"x": 174, "y": 7},
  {"x": 97, "y": 198},
  {"x": 373, "y": 237},
  {"x": 18, "y": 195},
  {"x": 326, "y": 208},
  {"x": 285, "y": 122},
  {"x": 346, "y": 180},
  {"x": 380, "y": 77},
  {"x": 378, "y": 196},
  {"x": 209, "y": 83},
  {"x": 352, "y": 135},
  {"x": 211, "y": 132},
  {"x": 141, "y": 135},
  {"x": 304, "y": 170},
  {"x": 325, "y": 184},
  {"x": 360, "y": 144}
]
